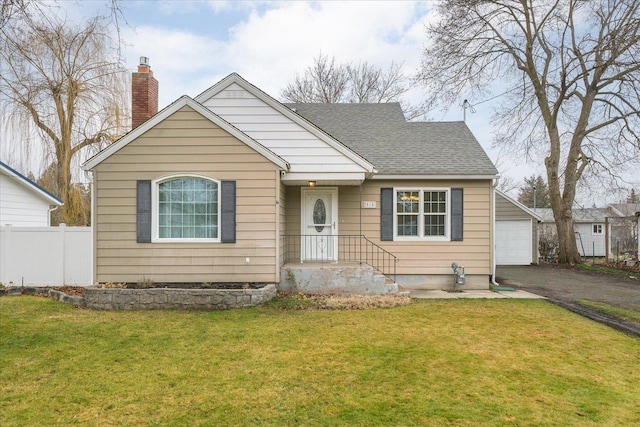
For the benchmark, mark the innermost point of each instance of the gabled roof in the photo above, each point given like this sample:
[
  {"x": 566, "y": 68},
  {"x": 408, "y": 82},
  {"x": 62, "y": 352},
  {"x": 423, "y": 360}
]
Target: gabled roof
[
  {"x": 308, "y": 125},
  {"x": 579, "y": 214},
  {"x": 169, "y": 110},
  {"x": 519, "y": 205},
  {"x": 624, "y": 209},
  {"x": 26, "y": 182},
  {"x": 380, "y": 133}
]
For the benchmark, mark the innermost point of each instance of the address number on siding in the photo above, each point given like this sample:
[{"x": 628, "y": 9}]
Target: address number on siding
[{"x": 368, "y": 205}]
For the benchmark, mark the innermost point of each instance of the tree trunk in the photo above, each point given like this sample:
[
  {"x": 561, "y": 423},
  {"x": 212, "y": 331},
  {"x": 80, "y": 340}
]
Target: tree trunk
[
  {"x": 568, "y": 250},
  {"x": 64, "y": 185},
  {"x": 561, "y": 204}
]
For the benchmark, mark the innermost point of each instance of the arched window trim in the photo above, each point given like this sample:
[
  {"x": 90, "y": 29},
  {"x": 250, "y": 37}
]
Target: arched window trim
[{"x": 155, "y": 185}]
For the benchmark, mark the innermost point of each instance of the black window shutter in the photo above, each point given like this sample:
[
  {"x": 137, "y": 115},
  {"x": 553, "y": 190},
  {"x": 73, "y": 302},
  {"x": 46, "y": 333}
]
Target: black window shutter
[
  {"x": 457, "y": 201},
  {"x": 386, "y": 214},
  {"x": 228, "y": 212},
  {"x": 143, "y": 211}
]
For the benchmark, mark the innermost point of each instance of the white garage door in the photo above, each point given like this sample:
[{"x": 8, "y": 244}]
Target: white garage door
[{"x": 513, "y": 242}]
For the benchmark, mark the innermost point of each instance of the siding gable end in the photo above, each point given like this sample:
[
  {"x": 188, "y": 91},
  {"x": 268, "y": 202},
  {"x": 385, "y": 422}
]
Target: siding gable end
[
  {"x": 306, "y": 147},
  {"x": 184, "y": 101}
]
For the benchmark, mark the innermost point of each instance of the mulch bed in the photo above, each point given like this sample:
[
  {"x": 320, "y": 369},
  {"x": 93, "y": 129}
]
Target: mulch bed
[{"x": 74, "y": 291}]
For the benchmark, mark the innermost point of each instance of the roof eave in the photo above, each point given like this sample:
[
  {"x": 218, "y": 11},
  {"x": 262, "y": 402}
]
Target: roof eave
[{"x": 436, "y": 177}]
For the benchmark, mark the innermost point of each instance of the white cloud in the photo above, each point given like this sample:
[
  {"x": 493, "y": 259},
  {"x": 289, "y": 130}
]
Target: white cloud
[
  {"x": 178, "y": 59},
  {"x": 274, "y": 41},
  {"x": 269, "y": 48}
]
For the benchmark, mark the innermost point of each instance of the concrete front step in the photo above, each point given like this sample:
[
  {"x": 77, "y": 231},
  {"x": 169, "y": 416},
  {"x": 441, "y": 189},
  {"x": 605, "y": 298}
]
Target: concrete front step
[{"x": 335, "y": 278}]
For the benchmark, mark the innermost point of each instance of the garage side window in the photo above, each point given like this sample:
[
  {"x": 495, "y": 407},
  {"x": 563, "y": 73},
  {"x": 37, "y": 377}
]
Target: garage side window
[{"x": 188, "y": 208}]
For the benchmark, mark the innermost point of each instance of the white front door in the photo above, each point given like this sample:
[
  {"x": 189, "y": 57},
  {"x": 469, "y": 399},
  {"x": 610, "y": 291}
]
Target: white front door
[{"x": 319, "y": 241}]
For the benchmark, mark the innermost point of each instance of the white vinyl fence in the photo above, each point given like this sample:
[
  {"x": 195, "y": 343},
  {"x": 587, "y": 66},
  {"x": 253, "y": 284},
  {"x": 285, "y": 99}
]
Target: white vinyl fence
[{"x": 41, "y": 256}]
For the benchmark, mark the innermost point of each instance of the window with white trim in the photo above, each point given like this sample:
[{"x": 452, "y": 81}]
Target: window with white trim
[
  {"x": 596, "y": 229},
  {"x": 186, "y": 208},
  {"x": 422, "y": 213}
]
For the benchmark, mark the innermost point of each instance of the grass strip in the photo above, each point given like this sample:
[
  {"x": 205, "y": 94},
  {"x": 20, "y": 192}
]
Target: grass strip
[
  {"x": 606, "y": 270},
  {"x": 617, "y": 312}
]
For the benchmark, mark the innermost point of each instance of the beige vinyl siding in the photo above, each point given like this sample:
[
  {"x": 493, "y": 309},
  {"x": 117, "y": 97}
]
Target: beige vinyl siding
[
  {"x": 505, "y": 210},
  {"x": 416, "y": 257},
  {"x": 186, "y": 143},
  {"x": 433, "y": 257}
]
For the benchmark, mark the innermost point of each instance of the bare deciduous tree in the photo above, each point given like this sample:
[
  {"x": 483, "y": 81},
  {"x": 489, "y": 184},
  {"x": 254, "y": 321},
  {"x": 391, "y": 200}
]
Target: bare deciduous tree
[
  {"x": 571, "y": 73},
  {"x": 327, "y": 81},
  {"x": 323, "y": 82},
  {"x": 507, "y": 184},
  {"x": 58, "y": 81}
]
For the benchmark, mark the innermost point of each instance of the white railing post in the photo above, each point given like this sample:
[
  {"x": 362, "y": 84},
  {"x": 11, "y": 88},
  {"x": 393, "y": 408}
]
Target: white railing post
[{"x": 63, "y": 253}]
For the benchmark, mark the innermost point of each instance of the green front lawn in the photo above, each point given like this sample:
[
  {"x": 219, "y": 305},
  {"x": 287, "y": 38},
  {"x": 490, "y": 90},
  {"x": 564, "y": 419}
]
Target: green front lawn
[{"x": 433, "y": 362}]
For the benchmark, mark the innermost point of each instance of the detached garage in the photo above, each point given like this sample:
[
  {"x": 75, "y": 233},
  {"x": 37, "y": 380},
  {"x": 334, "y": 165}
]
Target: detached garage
[{"x": 516, "y": 232}]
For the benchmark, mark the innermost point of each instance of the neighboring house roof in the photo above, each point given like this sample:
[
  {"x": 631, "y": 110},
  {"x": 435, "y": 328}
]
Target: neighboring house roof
[
  {"x": 32, "y": 186},
  {"x": 579, "y": 215},
  {"x": 623, "y": 209},
  {"x": 519, "y": 205},
  {"x": 171, "y": 109},
  {"x": 381, "y": 134}
]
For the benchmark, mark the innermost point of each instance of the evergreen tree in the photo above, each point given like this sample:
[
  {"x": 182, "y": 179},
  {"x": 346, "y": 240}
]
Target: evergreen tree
[{"x": 535, "y": 185}]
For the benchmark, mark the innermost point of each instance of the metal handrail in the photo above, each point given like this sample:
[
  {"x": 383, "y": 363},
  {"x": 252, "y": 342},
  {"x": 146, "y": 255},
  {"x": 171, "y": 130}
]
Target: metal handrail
[{"x": 350, "y": 248}]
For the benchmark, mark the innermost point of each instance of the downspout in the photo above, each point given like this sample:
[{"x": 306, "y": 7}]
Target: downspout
[
  {"x": 90, "y": 175},
  {"x": 495, "y": 286},
  {"x": 360, "y": 211},
  {"x": 51, "y": 209},
  {"x": 279, "y": 242}
]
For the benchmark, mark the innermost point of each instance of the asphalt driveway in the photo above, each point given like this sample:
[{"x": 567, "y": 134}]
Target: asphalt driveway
[{"x": 564, "y": 286}]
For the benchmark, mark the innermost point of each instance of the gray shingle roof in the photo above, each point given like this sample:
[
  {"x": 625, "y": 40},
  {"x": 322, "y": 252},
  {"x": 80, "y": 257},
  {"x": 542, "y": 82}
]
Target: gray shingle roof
[
  {"x": 579, "y": 215},
  {"x": 626, "y": 209},
  {"x": 381, "y": 134}
]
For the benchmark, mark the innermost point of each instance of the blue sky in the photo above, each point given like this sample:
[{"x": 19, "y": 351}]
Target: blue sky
[{"x": 193, "y": 44}]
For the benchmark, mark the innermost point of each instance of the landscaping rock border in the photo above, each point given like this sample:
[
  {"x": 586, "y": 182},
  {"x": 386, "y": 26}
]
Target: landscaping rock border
[
  {"x": 176, "y": 298},
  {"x": 155, "y": 298}
]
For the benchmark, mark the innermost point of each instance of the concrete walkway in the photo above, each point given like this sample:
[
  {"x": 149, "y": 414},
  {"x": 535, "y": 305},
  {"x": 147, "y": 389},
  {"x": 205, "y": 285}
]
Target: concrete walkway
[{"x": 477, "y": 294}]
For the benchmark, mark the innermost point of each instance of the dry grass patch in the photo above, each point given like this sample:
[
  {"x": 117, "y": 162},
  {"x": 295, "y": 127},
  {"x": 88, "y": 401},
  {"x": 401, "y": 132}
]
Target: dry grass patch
[{"x": 305, "y": 301}]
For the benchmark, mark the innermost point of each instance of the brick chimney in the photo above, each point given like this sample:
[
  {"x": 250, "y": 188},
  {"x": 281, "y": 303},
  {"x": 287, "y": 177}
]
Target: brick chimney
[{"x": 144, "y": 94}]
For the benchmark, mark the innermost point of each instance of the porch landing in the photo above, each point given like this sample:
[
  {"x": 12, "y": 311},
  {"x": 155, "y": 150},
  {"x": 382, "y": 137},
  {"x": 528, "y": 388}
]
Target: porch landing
[{"x": 335, "y": 277}]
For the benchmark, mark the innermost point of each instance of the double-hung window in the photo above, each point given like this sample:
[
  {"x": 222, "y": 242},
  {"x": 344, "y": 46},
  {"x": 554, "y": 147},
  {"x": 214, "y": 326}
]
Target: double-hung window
[
  {"x": 187, "y": 208},
  {"x": 422, "y": 213},
  {"x": 597, "y": 229}
]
